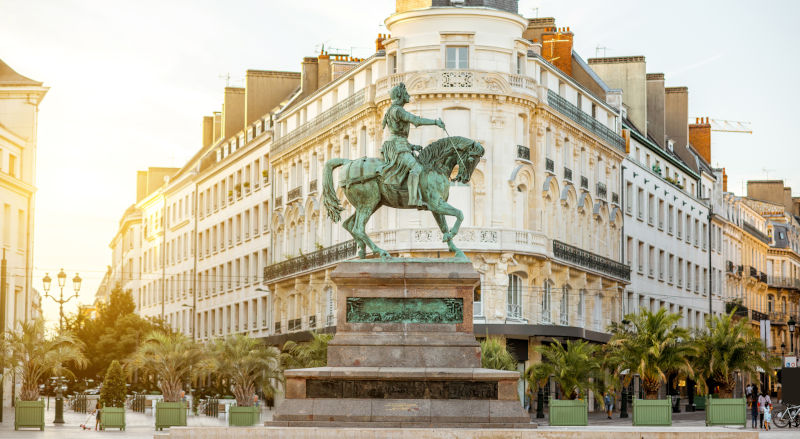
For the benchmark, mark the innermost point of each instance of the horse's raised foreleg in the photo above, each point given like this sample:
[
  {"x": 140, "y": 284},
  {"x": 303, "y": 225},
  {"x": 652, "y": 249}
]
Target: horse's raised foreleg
[
  {"x": 442, "y": 222},
  {"x": 440, "y": 207}
]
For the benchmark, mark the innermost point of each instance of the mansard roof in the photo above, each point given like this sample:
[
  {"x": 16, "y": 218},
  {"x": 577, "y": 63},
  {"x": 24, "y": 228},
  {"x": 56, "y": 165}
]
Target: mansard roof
[{"x": 9, "y": 77}]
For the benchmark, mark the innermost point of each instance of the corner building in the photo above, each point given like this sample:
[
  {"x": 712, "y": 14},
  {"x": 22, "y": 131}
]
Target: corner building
[{"x": 542, "y": 215}]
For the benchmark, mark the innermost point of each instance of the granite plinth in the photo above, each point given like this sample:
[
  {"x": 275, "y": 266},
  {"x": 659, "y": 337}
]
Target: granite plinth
[{"x": 390, "y": 366}]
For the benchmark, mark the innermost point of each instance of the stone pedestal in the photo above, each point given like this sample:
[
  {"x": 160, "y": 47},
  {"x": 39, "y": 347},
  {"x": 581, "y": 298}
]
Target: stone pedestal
[{"x": 404, "y": 355}]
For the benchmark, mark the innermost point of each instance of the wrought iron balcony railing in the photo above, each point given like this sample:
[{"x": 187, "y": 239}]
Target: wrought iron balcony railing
[
  {"x": 589, "y": 260},
  {"x": 762, "y": 277},
  {"x": 741, "y": 310},
  {"x": 729, "y": 267},
  {"x": 568, "y": 174},
  {"x": 758, "y": 315},
  {"x": 312, "y": 261},
  {"x": 523, "y": 152},
  {"x": 549, "y": 165},
  {"x": 294, "y": 194},
  {"x": 753, "y": 272},
  {"x": 564, "y": 107},
  {"x": 783, "y": 282},
  {"x": 584, "y": 183},
  {"x": 312, "y": 186},
  {"x": 279, "y": 201},
  {"x": 601, "y": 191},
  {"x": 614, "y": 197}
]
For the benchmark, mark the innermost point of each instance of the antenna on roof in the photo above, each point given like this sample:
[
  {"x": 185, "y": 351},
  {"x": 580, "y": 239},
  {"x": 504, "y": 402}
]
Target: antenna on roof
[
  {"x": 535, "y": 11},
  {"x": 767, "y": 171},
  {"x": 598, "y": 49},
  {"x": 227, "y": 78}
]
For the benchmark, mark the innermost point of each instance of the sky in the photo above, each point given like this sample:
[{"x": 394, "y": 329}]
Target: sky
[{"x": 130, "y": 82}]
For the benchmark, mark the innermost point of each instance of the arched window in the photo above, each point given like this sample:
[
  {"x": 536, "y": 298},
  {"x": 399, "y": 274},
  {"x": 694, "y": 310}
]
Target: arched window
[
  {"x": 770, "y": 303},
  {"x": 514, "y": 298},
  {"x": 546, "y": 300},
  {"x": 581, "y": 311},
  {"x": 566, "y": 291}
]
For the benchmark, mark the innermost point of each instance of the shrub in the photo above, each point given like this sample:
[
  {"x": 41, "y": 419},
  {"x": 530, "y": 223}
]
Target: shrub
[{"x": 114, "y": 390}]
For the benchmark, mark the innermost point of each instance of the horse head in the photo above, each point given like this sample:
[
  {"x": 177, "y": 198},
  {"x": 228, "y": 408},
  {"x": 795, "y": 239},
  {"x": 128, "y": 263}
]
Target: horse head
[{"x": 469, "y": 154}]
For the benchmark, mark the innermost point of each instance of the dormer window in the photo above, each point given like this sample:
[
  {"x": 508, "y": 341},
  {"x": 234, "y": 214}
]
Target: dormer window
[{"x": 457, "y": 57}]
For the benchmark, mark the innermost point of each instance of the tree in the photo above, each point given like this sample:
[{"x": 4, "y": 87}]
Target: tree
[
  {"x": 114, "y": 390},
  {"x": 494, "y": 355},
  {"x": 313, "y": 353},
  {"x": 727, "y": 346},
  {"x": 246, "y": 363},
  {"x": 575, "y": 367},
  {"x": 173, "y": 358},
  {"x": 35, "y": 356},
  {"x": 653, "y": 346}
]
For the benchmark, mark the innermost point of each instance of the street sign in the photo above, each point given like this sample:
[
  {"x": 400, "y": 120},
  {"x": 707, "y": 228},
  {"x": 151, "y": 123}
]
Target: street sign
[{"x": 789, "y": 361}]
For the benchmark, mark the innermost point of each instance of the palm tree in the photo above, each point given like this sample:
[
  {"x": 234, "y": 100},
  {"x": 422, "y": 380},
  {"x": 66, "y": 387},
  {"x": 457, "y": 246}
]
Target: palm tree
[
  {"x": 246, "y": 363},
  {"x": 652, "y": 346},
  {"x": 313, "y": 353},
  {"x": 494, "y": 355},
  {"x": 575, "y": 367},
  {"x": 173, "y": 358},
  {"x": 727, "y": 346},
  {"x": 34, "y": 356}
]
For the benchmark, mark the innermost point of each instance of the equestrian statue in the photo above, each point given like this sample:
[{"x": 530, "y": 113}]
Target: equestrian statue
[{"x": 402, "y": 179}]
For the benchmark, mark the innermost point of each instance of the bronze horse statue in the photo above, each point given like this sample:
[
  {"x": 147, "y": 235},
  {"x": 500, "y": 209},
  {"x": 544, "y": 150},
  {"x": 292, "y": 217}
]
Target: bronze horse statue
[{"x": 366, "y": 191}]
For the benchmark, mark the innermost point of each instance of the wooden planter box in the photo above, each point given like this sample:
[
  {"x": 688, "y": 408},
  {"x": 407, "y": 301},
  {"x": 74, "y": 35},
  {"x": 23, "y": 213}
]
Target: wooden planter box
[
  {"x": 243, "y": 416},
  {"x": 112, "y": 417},
  {"x": 29, "y": 414},
  {"x": 726, "y": 411},
  {"x": 568, "y": 412},
  {"x": 652, "y": 412},
  {"x": 170, "y": 414}
]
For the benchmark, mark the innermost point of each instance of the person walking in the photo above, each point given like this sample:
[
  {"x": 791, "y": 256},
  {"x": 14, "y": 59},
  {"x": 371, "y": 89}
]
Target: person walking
[
  {"x": 97, "y": 410},
  {"x": 767, "y": 416},
  {"x": 762, "y": 400},
  {"x": 754, "y": 407},
  {"x": 609, "y": 403}
]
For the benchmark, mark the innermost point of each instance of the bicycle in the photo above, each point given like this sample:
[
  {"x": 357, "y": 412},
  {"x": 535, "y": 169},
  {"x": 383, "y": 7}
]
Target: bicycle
[{"x": 784, "y": 418}]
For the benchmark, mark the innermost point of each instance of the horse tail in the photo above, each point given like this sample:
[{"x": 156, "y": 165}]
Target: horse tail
[{"x": 329, "y": 198}]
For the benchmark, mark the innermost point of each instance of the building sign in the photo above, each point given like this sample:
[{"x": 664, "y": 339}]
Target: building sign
[{"x": 789, "y": 361}]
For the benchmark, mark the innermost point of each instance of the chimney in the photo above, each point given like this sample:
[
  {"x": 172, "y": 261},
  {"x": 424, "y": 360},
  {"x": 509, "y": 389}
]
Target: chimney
[
  {"x": 217, "y": 125},
  {"x": 655, "y": 108},
  {"x": 141, "y": 185},
  {"x": 324, "y": 73},
  {"x": 557, "y": 48},
  {"x": 676, "y": 107},
  {"x": 379, "y": 42},
  {"x": 700, "y": 137},
  {"x": 724, "y": 181},
  {"x": 232, "y": 111},
  {"x": 265, "y": 89},
  {"x": 538, "y": 26},
  {"x": 309, "y": 75},
  {"x": 627, "y": 73},
  {"x": 208, "y": 131}
]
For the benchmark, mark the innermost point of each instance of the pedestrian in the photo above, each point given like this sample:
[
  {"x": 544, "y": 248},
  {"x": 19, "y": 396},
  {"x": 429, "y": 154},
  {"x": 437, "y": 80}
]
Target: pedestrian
[
  {"x": 609, "y": 403},
  {"x": 762, "y": 400},
  {"x": 754, "y": 407},
  {"x": 97, "y": 410},
  {"x": 767, "y": 415}
]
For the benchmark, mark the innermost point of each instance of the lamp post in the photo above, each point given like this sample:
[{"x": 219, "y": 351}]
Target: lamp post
[
  {"x": 76, "y": 286},
  {"x": 791, "y": 323}
]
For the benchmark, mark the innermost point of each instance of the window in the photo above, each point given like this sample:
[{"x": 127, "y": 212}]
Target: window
[
  {"x": 628, "y": 197},
  {"x": 477, "y": 303},
  {"x": 392, "y": 64},
  {"x": 12, "y": 165},
  {"x": 640, "y": 204},
  {"x": 581, "y": 312},
  {"x": 670, "y": 219},
  {"x": 565, "y": 305},
  {"x": 514, "y": 296},
  {"x": 520, "y": 64},
  {"x": 457, "y": 57},
  {"x": 546, "y": 302}
]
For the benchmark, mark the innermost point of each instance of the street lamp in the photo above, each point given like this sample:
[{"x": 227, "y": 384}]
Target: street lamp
[
  {"x": 61, "y": 278},
  {"x": 791, "y": 323}
]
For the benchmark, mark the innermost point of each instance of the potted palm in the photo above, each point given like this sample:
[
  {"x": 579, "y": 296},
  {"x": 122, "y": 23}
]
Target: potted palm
[
  {"x": 175, "y": 360},
  {"x": 494, "y": 355},
  {"x": 112, "y": 398},
  {"x": 576, "y": 368},
  {"x": 246, "y": 364},
  {"x": 727, "y": 346},
  {"x": 35, "y": 356},
  {"x": 653, "y": 346},
  {"x": 313, "y": 353}
]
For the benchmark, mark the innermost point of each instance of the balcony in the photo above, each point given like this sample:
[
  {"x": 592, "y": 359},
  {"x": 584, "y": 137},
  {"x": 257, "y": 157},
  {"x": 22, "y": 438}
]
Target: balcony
[
  {"x": 741, "y": 310},
  {"x": 603, "y": 132},
  {"x": 278, "y": 201},
  {"x": 762, "y": 277},
  {"x": 778, "y": 318},
  {"x": 753, "y": 273},
  {"x": 310, "y": 262},
  {"x": 758, "y": 315},
  {"x": 729, "y": 267},
  {"x": 312, "y": 186},
  {"x": 549, "y": 165},
  {"x": 601, "y": 191},
  {"x": 514, "y": 311},
  {"x": 591, "y": 261},
  {"x": 294, "y": 194},
  {"x": 783, "y": 282},
  {"x": 568, "y": 174},
  {"x": 614, "y": 197},
  {"x": 523, "y": 153},
  {"x": 584, "y": 183},
  {"x": 322, "y": 122}
]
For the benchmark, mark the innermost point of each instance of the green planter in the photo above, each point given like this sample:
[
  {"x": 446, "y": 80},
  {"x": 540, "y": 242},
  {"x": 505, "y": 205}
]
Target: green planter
[
  {"x": 726, "y": 411},
  {"x": 699, "y": 403},
  {"x": 568, "y": 412},
  {"x": 29, "y": 414},
  {"x": 652, "y": 412},
  {"x": 112, "y": 417},
  {"x": 170, "y": 414},
  {"x": 243, "y": 416}
]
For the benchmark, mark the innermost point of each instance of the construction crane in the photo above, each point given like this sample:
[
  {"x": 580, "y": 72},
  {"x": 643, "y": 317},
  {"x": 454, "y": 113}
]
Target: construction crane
[{"x": 730, "y": 126}]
